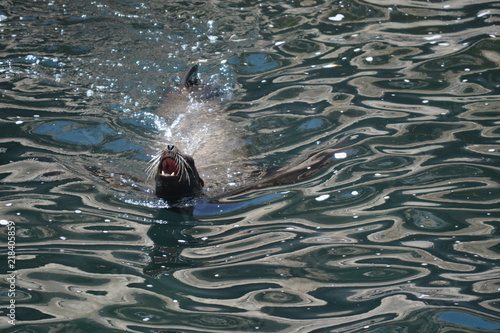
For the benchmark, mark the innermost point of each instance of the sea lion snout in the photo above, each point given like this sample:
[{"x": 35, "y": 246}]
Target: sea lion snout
[
  {"x": 175, "y": 174},
  {"x": 170, "y": 159}
]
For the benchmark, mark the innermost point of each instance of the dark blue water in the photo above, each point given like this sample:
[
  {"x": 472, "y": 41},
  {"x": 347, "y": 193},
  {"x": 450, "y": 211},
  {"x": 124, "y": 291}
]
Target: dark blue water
[{"x": 398, "y": 232}]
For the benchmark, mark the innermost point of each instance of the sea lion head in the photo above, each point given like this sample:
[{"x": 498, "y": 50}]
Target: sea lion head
[{"x": 175, "y": 175}]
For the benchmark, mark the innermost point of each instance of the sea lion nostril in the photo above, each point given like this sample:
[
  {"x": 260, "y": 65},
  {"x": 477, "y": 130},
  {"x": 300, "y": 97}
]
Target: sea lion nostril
[{"x": 170, "y": 147}]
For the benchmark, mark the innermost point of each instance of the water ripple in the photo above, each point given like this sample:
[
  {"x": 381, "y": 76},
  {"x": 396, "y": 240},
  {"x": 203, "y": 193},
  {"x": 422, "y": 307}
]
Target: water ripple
[{"x": 398, "y": 228}]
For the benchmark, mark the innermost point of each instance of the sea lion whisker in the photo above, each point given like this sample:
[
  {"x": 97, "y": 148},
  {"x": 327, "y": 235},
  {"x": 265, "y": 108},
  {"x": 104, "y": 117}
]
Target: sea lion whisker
[
  {"x": 153, "y": 164},
  {"x": 180, "y": 168},
  {"x": 184, "y": 169},
  {"x": 188, "y": 166}
]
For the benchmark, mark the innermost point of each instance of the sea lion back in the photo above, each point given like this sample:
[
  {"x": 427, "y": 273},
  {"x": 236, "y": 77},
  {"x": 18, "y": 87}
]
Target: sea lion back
[{"x": 200, "y": 130}]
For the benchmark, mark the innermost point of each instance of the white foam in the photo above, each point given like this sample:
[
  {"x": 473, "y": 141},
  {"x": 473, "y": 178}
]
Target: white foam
[
  {"x": 432, "y": 37},
  {"x": 336, "y": 18},
  {"x": 322, "y": 197},
  {"x": 340, "y": 155}
]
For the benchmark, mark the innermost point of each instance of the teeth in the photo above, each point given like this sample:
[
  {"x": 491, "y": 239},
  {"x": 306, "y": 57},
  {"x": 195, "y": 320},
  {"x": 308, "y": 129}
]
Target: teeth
[{"x": 172, "y": 174}]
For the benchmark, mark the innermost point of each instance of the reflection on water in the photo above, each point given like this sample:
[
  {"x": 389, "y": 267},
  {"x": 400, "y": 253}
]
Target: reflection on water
[{"x": 397, "y": 232}]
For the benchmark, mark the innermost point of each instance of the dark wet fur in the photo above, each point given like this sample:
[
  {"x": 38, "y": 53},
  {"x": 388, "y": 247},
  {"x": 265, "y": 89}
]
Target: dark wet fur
[
  {"x": 190, "y": 79},
  {"x": 191, "y": 82},
  {"x": 186, "y": 182}
]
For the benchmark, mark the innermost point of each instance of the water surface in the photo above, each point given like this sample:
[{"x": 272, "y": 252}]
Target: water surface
[{"x": 397, "y": 234}]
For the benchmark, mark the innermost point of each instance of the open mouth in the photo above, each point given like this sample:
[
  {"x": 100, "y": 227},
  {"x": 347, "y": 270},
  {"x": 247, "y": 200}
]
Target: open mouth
[{"x": 169, "y": 167}]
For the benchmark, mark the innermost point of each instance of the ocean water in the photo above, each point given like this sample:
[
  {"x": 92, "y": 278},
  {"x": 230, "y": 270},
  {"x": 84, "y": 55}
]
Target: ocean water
[{"x": 397, "y": 233}]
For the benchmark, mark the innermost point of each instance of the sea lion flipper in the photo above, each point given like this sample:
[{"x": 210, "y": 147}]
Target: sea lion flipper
[{"x": 191, "y": 78}]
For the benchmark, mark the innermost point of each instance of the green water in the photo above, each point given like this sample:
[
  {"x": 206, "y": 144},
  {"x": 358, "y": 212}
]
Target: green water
[{"x": 396, "y": 233}]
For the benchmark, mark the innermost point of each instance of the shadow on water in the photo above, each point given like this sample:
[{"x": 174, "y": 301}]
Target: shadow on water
[{"x": 169, "y": 239}]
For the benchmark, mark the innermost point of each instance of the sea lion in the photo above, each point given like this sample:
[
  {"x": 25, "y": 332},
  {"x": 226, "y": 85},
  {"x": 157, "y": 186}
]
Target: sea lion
[
  {"x": 205, "y": 156},
  {"x": 198, "y": 130},
  {"x": 197, "y": 124}
]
